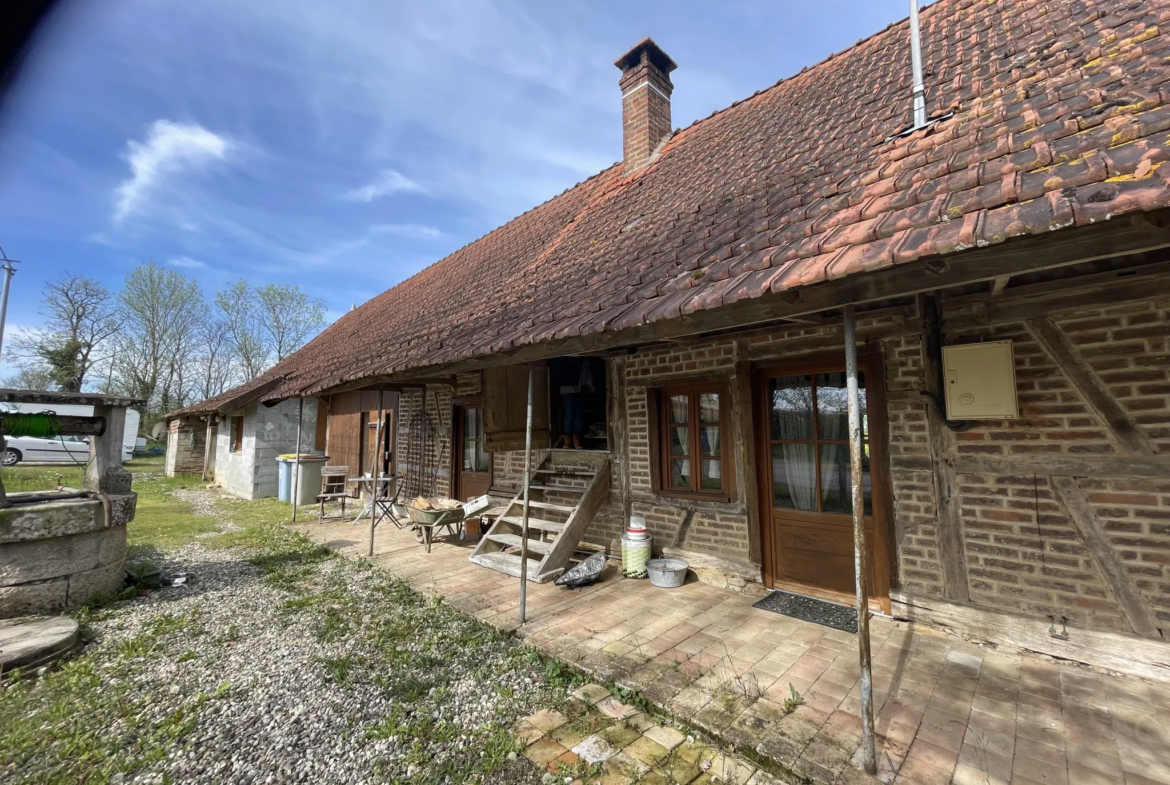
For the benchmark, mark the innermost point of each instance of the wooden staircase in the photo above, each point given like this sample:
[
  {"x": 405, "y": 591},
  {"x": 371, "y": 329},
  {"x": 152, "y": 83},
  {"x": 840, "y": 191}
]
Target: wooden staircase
[{"x": 562, "y": 502}]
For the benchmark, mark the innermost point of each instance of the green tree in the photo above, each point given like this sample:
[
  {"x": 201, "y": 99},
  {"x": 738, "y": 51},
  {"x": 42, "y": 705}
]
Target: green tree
[{"x": 289, "y": 317}]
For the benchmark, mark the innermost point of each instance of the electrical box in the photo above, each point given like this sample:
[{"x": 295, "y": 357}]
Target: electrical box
[{"x": 980, "y": 380}]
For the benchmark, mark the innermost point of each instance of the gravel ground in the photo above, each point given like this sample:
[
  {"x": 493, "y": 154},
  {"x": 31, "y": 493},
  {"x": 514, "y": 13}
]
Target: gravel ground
[{"x": 278, "y": 668}]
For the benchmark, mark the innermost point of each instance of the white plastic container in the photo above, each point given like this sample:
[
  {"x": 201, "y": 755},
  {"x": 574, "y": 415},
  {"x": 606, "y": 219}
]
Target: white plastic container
[
  {"x": 635, "y": 554},
  {"x": 636, "y": 530}
]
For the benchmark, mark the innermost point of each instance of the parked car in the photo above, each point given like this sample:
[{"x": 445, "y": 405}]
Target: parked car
[{"x": 60, "y": 449}]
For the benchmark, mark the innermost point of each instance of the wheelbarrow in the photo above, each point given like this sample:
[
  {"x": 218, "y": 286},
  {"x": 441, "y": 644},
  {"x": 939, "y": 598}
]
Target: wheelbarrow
[{"x": 451, "y": 520}]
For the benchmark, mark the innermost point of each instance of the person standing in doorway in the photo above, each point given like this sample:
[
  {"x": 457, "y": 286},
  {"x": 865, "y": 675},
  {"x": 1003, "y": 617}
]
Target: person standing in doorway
[{"x": 578, "y": 379}]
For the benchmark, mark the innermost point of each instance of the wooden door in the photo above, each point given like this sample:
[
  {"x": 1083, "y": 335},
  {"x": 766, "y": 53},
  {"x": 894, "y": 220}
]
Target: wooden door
[
  {"x": 806, "y": 487},
  {"x": 473, "y": 466}
]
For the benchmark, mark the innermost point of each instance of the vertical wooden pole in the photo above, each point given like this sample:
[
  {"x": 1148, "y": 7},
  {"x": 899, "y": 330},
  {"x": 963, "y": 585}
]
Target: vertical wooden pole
[
  {"x": 527, "y": 484},
  {"x": 860, "y": 552},
  {"x": 296, "y": 480},
  {"x": 377, "y": 473},
  {"x": 208, "y": 445}
]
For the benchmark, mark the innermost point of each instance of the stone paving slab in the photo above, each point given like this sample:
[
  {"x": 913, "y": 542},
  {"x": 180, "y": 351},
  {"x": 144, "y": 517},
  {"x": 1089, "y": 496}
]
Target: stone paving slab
[{"x": 946, "y": 710}]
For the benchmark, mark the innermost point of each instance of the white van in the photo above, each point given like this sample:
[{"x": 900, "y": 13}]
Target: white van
[{"x": 61, "y": 449}]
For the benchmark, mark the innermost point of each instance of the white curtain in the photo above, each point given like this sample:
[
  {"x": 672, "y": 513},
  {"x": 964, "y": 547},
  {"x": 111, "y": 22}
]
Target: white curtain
[{"x": 792, "y": 419}]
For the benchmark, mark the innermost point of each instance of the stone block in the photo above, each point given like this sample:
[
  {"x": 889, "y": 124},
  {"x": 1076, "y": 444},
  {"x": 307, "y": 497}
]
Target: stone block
[
  {"x": 33, "y": 598},
  {"x": 122, "y": 508},
  {"x": 112, "y": 545},
  {"x": 85, "y": 585},
  {"x": 51, "y": 519},
  {"x": 38, "y": 560}
]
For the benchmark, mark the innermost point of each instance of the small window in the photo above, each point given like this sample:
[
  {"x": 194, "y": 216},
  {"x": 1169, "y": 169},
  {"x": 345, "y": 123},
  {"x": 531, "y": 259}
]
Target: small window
[
  {"x": 692, "y": 448},
  {"x": 237, "y": 431}
]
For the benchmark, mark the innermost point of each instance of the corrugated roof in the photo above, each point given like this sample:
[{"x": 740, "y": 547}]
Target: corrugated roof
[{"x": 1061, "y": 120}]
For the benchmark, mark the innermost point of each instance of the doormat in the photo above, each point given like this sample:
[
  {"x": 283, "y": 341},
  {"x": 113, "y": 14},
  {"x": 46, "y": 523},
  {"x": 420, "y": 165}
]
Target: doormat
[{"x": 830, "y": 614}]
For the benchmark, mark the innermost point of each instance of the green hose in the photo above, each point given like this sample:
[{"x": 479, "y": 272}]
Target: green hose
[{"x": 42, "y": 425}]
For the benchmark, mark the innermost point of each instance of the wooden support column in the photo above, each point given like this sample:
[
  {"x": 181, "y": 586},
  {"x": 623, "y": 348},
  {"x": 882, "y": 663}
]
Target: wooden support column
[
  {"x": 619, "y": 426},
  {"x": 104, "y": 471},
  {"x": 1095, "y": 539},
  {"x": 943, "y": 452},
  {"x": 208, "y": 445},
  {"x": 1121, "y": 425},
  {"x": 745, "y": 449}
]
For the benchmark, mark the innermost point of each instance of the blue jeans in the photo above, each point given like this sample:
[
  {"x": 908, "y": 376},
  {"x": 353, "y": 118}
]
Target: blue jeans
[{"x": 574, "y": 413}]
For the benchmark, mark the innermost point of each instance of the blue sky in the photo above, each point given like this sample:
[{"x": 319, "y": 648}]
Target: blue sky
[{"x": 344, "y": 145}]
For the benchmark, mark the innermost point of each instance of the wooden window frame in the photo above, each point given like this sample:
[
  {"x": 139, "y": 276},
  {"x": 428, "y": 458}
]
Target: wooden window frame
[
  {"x": 660, "y": 441},
  {"x": 236, "y": 442}
]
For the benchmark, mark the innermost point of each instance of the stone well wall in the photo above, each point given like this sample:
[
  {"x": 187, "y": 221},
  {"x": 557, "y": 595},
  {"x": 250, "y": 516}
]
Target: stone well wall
[{"x": 56, "y": 556}]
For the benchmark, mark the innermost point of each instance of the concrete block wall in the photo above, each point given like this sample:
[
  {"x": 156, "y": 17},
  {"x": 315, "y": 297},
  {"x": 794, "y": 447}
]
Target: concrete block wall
[{"x": 252, "y": 472}]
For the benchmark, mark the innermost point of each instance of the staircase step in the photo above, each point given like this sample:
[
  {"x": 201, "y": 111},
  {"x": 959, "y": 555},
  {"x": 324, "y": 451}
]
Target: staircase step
[
  {"x": 560, "y": 488},
  {"x": 514, "y": 541},
  {"x": 509, "y": 564},
  {"x": 568, "y": 471},
  {"x": 534, "y": 523},
  {"x": 537, "y": 505}
]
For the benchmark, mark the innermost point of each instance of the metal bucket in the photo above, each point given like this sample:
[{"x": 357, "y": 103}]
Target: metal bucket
[
  {"x": 667, "y": 573},
  {"x": 635, "y": 554}
]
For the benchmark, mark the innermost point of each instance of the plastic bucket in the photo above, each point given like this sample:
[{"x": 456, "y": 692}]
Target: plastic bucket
[
  {"x": 667, "y": 573},
  {"x": 635, "y": 554}
]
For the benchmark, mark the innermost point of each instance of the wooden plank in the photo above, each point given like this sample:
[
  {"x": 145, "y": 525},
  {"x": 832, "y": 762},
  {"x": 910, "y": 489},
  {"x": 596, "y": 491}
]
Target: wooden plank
[
  {"x": 619, "y": 428},
  {"x": 1155, "y": 467},
  {"x": 690, "y": 377},
  {"x": 943, "y": 449},
  {"x": 505, "y": 408},
  {"x": 1112, "y": 651},
  {"x": 515, "y": 540},
  {"x": 1124, "y": 430},
  {"x": 538, "y": 505},
  {"x": 534, "y": 523},
  {"x": 578, "y": 522},
  {"x": 1101, "y": 548},
  {"x": 999, "y": 285},
  {"x": 742, "y": 408},
  {"x": 558, "y": 488}
]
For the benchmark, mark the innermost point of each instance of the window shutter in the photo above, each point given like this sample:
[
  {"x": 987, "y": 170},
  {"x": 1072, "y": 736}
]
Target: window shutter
[
  {"x": 653, "y": 418},
  {"x": 505, "y": 407}
]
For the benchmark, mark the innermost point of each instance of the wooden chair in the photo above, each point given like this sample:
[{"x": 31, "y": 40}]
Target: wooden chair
[{"x": 333, "y": 488}]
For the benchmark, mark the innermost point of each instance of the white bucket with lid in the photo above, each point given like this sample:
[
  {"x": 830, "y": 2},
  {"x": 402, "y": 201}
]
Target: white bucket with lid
[{"x": 636, "y": 530}]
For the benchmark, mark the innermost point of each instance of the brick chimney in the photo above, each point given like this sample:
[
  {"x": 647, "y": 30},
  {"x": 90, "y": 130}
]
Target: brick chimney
[{"x": 646, "y": 90}]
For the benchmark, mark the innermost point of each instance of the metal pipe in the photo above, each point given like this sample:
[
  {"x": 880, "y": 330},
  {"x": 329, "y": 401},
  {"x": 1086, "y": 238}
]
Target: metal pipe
[
  {"x": 918, "y": 94},
  {"x": 296, "y": 482},
  {"x": 860, "y": 552},
  {"x": 527, "y": 484},
  {"x": 377, "y": 473},
  {"x": 9, "y": 271}
]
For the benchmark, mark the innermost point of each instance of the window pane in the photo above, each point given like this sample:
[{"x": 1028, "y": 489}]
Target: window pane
[
  {"x": 792, "y": 415},
  {"x": 833, "y": 405},
  {"x": 709, "y": 441},
  {"x": 680, "y": 473},
  {"x": 708, "y": 407},
  {"x": 711, "y": 478},
  {"x": 679, "y": 408},
  {"x": 678, "y": 441},
  {"x": 794, "y": 476},
  {"x": 468, "y": 455},
  {"x": 836, "y": 485},
  {"x": 482, "y": 462}
]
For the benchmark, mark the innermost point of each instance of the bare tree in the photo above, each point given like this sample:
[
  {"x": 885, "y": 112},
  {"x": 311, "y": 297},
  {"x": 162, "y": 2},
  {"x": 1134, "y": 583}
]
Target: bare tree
[
  {"x": 29, "y": 377},
  {"x": 240, "y": 315},
  {"x": 213, "y": 363},
  {"x": 162, "y": 311},
  {"x": 288, "y": 317},
  {"x": 80, "y": 319}
]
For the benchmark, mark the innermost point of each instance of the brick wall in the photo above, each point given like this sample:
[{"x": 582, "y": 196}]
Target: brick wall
[{"x": 186, "y": 442}]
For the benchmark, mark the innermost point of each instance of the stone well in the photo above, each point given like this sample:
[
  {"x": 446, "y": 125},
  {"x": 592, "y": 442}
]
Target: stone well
[{"x": 56, "y": 555}]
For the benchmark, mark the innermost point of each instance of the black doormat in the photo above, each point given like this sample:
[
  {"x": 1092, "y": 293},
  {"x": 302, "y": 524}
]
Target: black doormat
[{"x": 831, "y": 614}]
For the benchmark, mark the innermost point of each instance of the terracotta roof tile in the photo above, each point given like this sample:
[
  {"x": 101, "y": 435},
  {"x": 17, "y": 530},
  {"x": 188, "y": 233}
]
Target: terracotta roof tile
[{"x": 1061, "y": 113}]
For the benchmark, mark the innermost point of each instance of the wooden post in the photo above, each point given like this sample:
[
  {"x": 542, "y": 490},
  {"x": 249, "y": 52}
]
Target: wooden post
[
  {"x": 208, "y": 445},
  {"x": 860, "y": 552},
  {"x": 527, "y": 484},
  {"x": 296, "y": 481},
  {"x": 377, "y": 473}
]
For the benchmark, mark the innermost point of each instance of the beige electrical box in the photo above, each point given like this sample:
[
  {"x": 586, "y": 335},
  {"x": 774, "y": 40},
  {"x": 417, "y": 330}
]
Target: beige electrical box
[{"x": 980, "y": 380}]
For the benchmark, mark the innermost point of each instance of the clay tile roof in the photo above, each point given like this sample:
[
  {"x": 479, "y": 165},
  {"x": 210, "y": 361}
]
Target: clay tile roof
[{"x": 1060, "y": 119}]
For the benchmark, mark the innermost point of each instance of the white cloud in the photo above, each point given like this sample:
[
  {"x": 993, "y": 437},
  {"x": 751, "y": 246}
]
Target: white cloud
[
  {"x": 185, "y": 262},
  {"x": 388, "y": 182},
  {"x": 415, "y": 231},
  {"x": 170, "y": 148}
]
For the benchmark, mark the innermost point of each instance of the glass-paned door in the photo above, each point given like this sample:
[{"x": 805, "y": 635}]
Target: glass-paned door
[
  {"x": 473, "y": 468},
  {"x": 809, "y": 536}
]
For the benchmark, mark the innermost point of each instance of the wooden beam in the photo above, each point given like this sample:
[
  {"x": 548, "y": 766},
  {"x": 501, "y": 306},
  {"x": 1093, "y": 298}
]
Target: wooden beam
[
  {"x": 686, "y": 377},
  {"x": 1121, "y": 426},
  {"x": 1009, "y": 632},
  {"x": 619, "y": 427},
  {"x": 999, "y": 284},
  {"x": 1093, "y": 535},
  {"x": 1155, "y": 467},
  {"x": 246, "y": 397},
  {"x": 943, "y": 450},
  {"x": 742, "y": 411}
]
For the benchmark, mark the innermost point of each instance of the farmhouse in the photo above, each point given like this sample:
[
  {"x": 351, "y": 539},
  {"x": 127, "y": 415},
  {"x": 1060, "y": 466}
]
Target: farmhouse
[{"x": 1008, "y": 261}]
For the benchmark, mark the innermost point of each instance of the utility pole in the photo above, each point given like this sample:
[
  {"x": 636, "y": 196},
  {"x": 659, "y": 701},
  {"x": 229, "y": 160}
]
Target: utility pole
[{"x": 9, "y": 271}]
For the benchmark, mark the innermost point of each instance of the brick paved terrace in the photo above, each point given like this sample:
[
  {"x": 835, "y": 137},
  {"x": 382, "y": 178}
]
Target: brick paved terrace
[{"x": 947, "y": 711}]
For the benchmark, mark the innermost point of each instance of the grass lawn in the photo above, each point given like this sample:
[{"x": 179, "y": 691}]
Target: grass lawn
[{"x": 276, "y": 633}]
